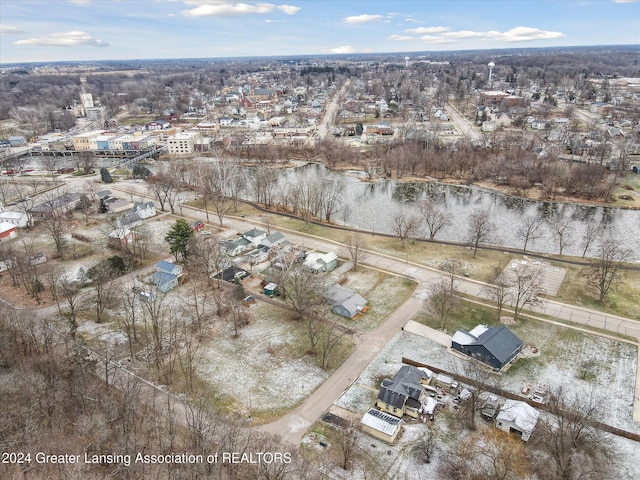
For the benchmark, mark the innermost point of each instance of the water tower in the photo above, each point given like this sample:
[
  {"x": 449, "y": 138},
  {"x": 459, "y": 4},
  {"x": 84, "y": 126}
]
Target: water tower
[{"x": 490, "y": 65}]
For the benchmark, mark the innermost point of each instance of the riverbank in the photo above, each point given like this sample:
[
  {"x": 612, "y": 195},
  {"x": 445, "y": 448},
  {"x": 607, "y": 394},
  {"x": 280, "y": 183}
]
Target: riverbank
[{"x": 628, "y": 186}]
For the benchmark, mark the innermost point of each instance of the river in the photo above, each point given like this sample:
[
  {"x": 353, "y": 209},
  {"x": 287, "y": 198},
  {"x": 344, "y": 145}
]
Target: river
[{"x": 374, "y": 205}]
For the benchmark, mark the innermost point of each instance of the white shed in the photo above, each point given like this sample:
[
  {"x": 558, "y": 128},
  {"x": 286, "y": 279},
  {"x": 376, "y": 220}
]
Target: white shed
[{"x": 517, "y": 417}]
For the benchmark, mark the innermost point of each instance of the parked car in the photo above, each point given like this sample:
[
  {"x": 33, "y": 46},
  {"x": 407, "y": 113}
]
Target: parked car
[{"x": 197, "y": 226}]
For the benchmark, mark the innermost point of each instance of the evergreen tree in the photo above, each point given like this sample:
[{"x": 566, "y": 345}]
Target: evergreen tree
[
  {"x": 106, "y": 176},
  {"x": 178, "y": 238}
]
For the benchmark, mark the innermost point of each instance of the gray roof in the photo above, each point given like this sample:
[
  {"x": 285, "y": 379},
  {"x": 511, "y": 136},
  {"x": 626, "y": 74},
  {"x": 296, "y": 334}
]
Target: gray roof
[
  {"x": 346, "y": 297},
  {"x": 499, "y": 341},
  {"x": 405, "y": 385}
]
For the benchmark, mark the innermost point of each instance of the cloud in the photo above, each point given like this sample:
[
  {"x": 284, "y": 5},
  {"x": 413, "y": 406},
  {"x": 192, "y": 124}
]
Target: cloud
[
  {"x": 10, "y": 29},
  {"x": 400, "y": 38},
  {"x": 625, "y": 1},
  {"x": 74, "y": 38},
  {"x": 434, "y": 39},
  {"x": 422, "y": 30},
  {"x": 364, "y": 18},
  {"x": 517, "y": 34},
  {"x": 342, "y": 49},
  {"x": 229, "y": 9},
  {"x": 81, "y": 2},
  {"x": 526, "y": 34}
]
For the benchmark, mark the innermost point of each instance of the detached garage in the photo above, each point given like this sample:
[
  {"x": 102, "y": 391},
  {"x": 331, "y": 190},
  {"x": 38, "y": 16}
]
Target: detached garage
[{"x": 381, "y": 425}]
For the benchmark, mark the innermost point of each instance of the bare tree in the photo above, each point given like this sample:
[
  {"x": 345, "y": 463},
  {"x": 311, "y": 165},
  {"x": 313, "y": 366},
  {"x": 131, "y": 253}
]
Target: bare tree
[
  {"x": 576, "y": 449},
  {"x": 443, "y": 295},
  {"x": 525, "y": 284},
  {"x": 331, "y": 337},
  {"x": 405, "y": 225},
  {"x": 435, "y": 218},
  {"x": 425, "y": 447},
  {"x": 480, "y": 229},
  {"x": 590, "y": 235},
  {"x": 498, "y": 290},
  {"x": 347, "y": 441},
  {"x": 562, "y": 231},
  {"x": 355, "y": 249},
  {"x": 529, "y": 230},
  {"x": 605, "y": 272},
  {"x": 301, "y": 288}
]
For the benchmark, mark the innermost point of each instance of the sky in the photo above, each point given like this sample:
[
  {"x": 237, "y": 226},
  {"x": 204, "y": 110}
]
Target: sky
[{"x": 80, "y": 30}]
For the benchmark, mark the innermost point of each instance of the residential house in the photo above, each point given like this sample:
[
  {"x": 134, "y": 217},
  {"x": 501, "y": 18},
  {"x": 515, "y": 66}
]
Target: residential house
[
  {"x": 58, "y": 205},
  {"x": 317, "y": 262},
  {"x": 273, "y": 240},
  {"x": 346, "y": 302},
  {"x": 235, "y": 247},
  {"x": 168, "y": 267},
  {"x": 496, "y": 347},
  {"x": 144, "y": 209},
  {"x": 405, "y": 393},
  {"x": 489, "y": 126},
  {"x": 164, "y": 281},
  {"x": 517, "y": 417},
  {"x": 19, "y": 219},
  {"x": 381, "y": 425},
  {"x": 129, "y": 220},
  {"x": 116, "y": 205},
  {"x": 255, "y": 236}
]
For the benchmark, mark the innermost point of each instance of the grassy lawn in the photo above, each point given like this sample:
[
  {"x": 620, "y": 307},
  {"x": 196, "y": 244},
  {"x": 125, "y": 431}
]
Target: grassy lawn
[{"x": 624, "y": 300}]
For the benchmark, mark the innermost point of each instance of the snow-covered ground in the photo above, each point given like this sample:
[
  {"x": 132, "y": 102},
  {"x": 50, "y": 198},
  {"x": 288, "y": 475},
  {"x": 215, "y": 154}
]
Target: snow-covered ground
[
  {"x": 612, "y": 374},
  {"x": 261, "y": 369}
]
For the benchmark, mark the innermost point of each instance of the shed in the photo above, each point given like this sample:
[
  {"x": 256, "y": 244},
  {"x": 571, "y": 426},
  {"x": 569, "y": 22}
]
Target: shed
[
  {"x": 517, "y": 417},
  {"x": 329, "y": 261},
  {"x": 270, "y": 289},
  {"x": 381, "y": 425}
]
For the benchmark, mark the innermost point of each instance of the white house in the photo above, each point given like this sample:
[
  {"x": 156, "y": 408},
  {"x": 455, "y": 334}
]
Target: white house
[
  {"x": 517, "y": 417},
  {"x": 144, "y": 209},
  {"x": 19, "y": 219}
]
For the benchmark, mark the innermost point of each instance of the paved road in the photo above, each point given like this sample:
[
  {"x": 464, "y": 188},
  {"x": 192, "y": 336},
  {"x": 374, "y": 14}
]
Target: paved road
[{"x": 331, "y": 111}]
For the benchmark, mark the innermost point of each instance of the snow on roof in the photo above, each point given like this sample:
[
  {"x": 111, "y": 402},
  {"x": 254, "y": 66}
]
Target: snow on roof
[
  {"x": 381, "y": 421},
  {"x": 522, "y": 414},
  {"x": 328, "y": 257},
  {"x": 8, "y": 214},
  {"x": 463, "y": 338},
  {"x": 6, "y": 227},
  {"x": 479, "y": 330}
]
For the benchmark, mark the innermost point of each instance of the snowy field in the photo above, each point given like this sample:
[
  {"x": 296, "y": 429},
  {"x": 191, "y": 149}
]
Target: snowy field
[{"x": 261, "y": 369}]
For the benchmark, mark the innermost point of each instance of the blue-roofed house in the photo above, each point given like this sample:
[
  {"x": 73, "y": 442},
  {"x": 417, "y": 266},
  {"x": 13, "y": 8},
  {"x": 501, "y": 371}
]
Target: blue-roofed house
[
  {"x": 164, "y": 281},
  {"x": 493, "y": 346},
  {"x": 168, "y": 267}
]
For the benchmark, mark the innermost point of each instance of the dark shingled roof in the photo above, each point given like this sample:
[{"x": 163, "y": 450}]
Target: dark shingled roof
[
  {"x": 404, "y": 387},
  {"x": 500, "y": 342}
]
